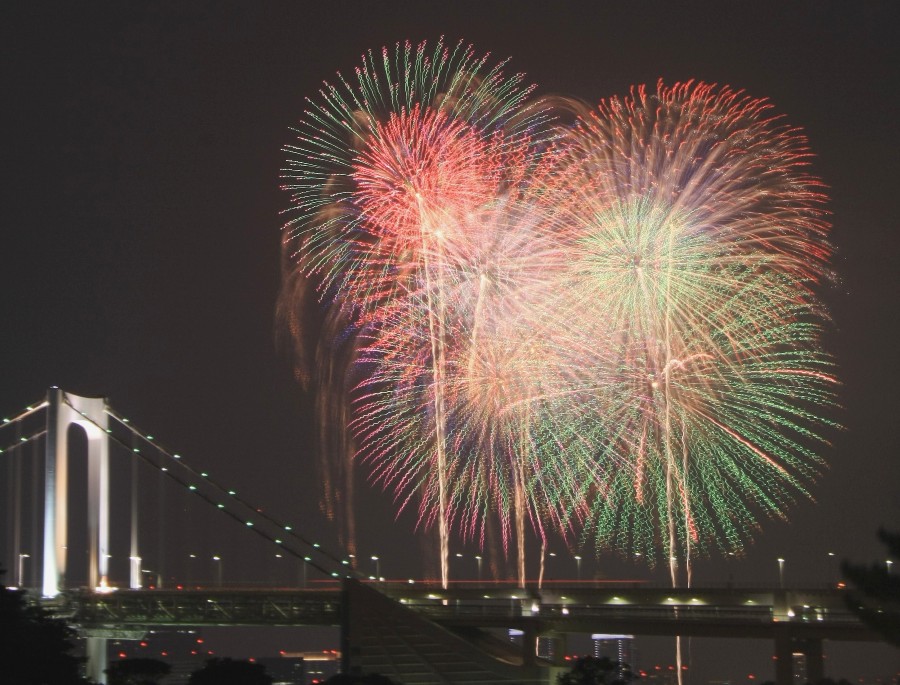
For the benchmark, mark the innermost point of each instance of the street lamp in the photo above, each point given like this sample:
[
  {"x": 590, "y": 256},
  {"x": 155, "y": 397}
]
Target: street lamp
[
  {"x": 478, "y": 559},
  {"x": 887, "y": 563},
  {"x": 578, "y": 562},
  {"x": 21, "y": 579},
  {"x": 781, "y": 573},
  {"x": 377, "y": 566}
]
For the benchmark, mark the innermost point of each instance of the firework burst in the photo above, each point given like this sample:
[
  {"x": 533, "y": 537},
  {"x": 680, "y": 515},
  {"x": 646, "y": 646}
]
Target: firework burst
[{"x": 611, "y": 326}]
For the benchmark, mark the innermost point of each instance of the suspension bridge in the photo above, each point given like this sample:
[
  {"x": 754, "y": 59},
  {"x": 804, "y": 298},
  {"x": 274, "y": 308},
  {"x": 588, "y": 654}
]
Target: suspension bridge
[{"x": 415, "y": 631}]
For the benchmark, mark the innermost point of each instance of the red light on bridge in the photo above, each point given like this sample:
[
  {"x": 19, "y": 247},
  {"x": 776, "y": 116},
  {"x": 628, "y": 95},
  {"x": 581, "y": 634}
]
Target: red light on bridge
[{"x": 121, "y": 655}]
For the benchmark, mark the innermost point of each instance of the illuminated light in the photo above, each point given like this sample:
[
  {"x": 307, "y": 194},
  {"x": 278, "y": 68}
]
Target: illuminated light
[
  {"x": 249, "y": 523},
  {"x": 316, "y": 545},
  {"x": 278, "y": 556},
  {"x": 288, "y": 528},
  {"x": 220, "y": 506},
  {"x": 192, "y": 487},
  {"x": 277, "y": 541},
  {"x": 335, "y": 574},
  {"x": 232, "y": 492},
  {"x": 176, "y": 456},
  {"x": 411, "y": 581},
  {"x": 135, "y": 450},
  {"x": 163, "y": 469},
  {"x": 307, "y": 559},
  {"x": 203, "y": 474},
  {"x": 5, "y": 420},
  {"x": 149, "y": 437},
  {"x": 565, "y": 611}
]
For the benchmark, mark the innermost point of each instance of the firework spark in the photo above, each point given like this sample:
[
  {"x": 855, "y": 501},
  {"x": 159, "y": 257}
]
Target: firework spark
[{"x": 610, "y": 327}]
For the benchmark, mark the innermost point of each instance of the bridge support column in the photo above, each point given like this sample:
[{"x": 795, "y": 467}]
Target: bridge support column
[
  {"x": 89, "y": 413},
  {"x": 784, "y": 659},
  {"x": 97, "y": 659},
  {"x": 529, "y": 646}
]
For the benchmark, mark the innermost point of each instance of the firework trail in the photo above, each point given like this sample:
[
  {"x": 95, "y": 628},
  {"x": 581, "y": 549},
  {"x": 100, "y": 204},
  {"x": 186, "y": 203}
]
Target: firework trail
[
  {"x": 701, "y": 242},
  {"x": 611, "y": 326},
  {"x": 380, "y": 178},
  {"x": 700, "y": 246}
]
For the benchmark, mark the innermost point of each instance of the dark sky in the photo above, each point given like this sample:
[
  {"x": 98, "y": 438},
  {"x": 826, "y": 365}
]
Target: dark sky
[{"x": 141, "y": 228}]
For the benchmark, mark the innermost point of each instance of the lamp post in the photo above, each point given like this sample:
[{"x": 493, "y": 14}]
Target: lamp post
[
  {"x": 21, "y": 578},
  {"x": 478, "y": 559},
  {"x": 377, "y": 567},
  {"x": 888, "y": 563},
  {"x": 781, "y": 573},
  {"x": 578, "y": 562}
]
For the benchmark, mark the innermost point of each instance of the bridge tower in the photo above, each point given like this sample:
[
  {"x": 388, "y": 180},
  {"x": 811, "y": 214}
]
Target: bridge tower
[{"x": 89, "y": 413}]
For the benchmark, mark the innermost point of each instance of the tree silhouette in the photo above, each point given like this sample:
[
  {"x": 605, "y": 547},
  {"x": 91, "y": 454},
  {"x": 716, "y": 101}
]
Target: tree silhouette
[
  {"x": 589, "y": 670},
  {"x": 35, "y": 648},
  {"x": 876, "y": 599},
  {"x": 368, "y": 679},
  {"x": 230, "y": 672},
  {"x": 137, "y": 672}
]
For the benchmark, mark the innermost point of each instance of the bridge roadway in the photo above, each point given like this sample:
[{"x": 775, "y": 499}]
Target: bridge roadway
[
  {"x": 576, "y": 608},
  {"x": 398, "y": 613}
]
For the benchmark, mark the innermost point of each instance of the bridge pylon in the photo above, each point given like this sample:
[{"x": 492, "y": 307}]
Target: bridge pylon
[{"x": 89, "y": 413}]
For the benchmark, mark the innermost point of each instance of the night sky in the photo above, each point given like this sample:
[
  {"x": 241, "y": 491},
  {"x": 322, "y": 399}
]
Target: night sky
[{"x": 141, "y": 228}]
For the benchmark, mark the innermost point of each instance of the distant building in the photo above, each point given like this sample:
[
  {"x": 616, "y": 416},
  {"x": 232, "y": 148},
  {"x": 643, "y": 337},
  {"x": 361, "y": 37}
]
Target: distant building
[
  {"x": 317, "y": 666},
  {"x": 798, "y": 663},
  {"x": 619, "y": 648}
]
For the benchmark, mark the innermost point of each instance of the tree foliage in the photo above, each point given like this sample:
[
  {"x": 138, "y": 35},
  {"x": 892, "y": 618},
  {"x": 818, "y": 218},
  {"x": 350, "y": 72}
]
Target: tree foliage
[
  {"x": 876, "y": 591},
  {"x": 36, "y": 648},
  {"x": 230, "y": 672},
  {"x": 137, "y": 672},
  {"x": 368, "y": 679},
  {"x": 589, "y": 670}
]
